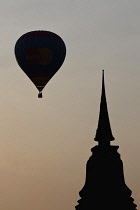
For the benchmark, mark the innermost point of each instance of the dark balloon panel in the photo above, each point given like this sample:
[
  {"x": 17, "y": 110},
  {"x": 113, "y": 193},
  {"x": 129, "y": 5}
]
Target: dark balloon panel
[{"x": 40, "y": 54}]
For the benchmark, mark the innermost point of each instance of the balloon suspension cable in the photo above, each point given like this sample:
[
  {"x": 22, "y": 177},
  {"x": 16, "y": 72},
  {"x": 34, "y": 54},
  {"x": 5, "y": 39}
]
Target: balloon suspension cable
[{"x": 40, "y": 95}]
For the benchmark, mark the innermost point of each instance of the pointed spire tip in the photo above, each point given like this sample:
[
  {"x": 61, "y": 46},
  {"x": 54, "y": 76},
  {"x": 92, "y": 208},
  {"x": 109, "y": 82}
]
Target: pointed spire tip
[
  {"x": 103, "y": 132},
  {"x": 103, "y": 73}
]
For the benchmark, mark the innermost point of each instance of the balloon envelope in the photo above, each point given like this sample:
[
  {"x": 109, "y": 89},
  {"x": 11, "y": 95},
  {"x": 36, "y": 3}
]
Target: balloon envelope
[{"x": 40, "y": 54}]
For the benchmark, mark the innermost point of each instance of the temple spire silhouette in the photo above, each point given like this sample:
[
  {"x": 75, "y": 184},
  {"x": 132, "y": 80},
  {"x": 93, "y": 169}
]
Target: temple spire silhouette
[
  {"x": 103, "y": 133},
  {"x": 105, "y": 186}
]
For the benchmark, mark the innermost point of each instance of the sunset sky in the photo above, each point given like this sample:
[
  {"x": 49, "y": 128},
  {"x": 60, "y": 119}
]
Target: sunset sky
[{"x": 45, "y": 143}]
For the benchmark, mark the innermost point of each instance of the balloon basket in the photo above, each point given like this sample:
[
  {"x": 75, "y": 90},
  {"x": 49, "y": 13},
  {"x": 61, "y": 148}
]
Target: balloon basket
[{"x": 40, "y": 95}]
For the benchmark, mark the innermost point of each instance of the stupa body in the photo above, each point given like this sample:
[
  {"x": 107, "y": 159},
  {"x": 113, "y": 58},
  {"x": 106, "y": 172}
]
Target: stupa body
[{"x": 105, "y": 187}]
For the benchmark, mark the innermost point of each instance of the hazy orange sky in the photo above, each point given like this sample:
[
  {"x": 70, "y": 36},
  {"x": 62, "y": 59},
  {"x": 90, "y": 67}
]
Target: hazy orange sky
[{"x": 45, "y": 143}]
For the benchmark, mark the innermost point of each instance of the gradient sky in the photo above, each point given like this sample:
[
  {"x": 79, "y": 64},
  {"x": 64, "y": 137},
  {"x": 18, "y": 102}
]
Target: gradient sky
[{"x": 45, "y": 143}]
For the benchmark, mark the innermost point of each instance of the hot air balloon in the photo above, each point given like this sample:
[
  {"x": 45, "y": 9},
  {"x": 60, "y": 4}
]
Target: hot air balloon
[{"x": 40, "y": 54}]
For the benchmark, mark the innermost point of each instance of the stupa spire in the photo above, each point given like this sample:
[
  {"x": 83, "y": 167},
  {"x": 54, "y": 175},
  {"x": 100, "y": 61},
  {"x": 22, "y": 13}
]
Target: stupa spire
[
  {"x": 103, "y": 132},
  {"x": 105, "y": 186}
]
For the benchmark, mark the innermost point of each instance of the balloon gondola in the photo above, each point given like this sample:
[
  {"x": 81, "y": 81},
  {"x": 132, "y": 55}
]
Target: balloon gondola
[{"x": 40, "y": 54}]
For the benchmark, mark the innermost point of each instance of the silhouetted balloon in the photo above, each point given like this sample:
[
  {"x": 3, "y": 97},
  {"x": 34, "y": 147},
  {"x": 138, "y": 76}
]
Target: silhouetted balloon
[{"x": 40, "y": 54}]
